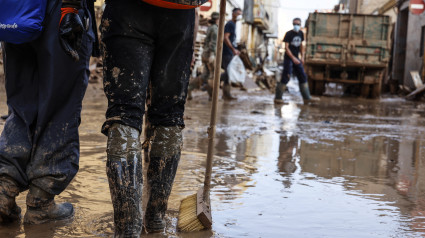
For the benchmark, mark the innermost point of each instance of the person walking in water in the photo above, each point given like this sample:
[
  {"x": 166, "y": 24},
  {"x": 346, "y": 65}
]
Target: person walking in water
[
  {"x": 45, "y": 84},
  {"x": 292, "y": 63},
  {"x": 229, "y": 50},
  {"x": 148, "y": 53}
]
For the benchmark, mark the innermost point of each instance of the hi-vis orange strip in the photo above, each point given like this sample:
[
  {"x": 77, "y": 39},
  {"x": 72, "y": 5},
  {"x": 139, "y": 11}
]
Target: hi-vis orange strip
[
  {"x": 171, "y": 5},
  {"x": 67, "y": 10}
]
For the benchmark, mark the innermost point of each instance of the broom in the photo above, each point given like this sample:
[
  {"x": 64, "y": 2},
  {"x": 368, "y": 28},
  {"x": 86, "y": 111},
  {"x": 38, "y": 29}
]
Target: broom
[{"x": 195, "y": 210}]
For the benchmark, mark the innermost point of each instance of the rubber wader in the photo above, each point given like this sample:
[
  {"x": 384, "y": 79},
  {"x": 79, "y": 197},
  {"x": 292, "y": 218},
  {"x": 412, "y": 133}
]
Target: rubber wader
[
  {"x": 125, "y": 177},
  {"x": 164, "y": 158},
  {"x": 305, "y": 92}
]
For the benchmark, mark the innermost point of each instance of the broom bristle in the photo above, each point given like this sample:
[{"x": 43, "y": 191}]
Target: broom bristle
[{"x": 188, "y": 219}]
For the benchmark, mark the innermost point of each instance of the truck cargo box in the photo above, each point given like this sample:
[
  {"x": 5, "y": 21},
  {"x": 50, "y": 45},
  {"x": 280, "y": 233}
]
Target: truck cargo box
[{"x": 349, "y": 49}]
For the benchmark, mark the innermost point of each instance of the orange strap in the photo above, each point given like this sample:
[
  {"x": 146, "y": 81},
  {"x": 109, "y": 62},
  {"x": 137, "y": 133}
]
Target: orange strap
[
  {"x": 171, "y": 5},
  {"x": 66, "y": 10}
]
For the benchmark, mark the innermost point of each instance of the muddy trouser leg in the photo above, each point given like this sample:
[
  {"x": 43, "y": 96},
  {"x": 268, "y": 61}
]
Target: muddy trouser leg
[
  {"x": 157, "y": 51},
  {"x": 127, "y": 66},
  {"x": 165, "y": 113},
  {"x": 127, "y": 63},
  {"x": 15, "y": 140},
  {"x": 164, "y": 159},
  {"x": 45, "y": 87},
  {"x": 302, "y": 81},
  {"x": 125, "y": 177}
]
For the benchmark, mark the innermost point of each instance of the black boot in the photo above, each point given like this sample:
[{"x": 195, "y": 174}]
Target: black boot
[
  {"x": 9, "y": 211},
  {"x": 280, "y": 88},
  {"x": 41, "y": 207},
  {"x": 164, "y": 159},
  {"x": 125, "y": 176}
]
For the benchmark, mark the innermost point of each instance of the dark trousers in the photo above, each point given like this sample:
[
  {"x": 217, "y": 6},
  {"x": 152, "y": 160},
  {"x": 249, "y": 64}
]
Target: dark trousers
[
  {"x": 224, "y": 63},
  {"x": 297, "y": 69},
  {"x": 148, "y": 51},
  {"x": 45, "y": 88}
]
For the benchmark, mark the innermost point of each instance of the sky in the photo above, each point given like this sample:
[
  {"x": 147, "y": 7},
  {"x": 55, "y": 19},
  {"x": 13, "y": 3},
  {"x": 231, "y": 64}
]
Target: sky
[{"x": 289, "y": 9}]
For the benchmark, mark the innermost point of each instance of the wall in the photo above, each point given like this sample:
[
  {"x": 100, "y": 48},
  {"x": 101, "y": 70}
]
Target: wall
[
  {"x": 413, "y": 59},
  {"x": 369, "y": 6}
]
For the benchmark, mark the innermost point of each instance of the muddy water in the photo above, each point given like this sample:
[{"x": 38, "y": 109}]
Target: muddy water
[{"x": 343, "y": 167}]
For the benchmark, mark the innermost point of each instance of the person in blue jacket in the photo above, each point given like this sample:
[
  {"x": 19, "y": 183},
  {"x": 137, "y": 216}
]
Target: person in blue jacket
[{"x": 45, "y": 84}]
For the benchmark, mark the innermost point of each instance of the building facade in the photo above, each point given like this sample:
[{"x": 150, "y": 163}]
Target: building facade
[{"x": 408, "y": 44}]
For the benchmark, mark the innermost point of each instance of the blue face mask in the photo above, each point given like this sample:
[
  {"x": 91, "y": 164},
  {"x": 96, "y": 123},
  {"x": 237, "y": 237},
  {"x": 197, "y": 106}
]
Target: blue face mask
[{"x": 297, "y": 28}]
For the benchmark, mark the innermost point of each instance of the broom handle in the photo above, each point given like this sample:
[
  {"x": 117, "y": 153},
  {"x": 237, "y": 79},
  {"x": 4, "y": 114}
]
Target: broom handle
[{"x": 213, "y": 119}]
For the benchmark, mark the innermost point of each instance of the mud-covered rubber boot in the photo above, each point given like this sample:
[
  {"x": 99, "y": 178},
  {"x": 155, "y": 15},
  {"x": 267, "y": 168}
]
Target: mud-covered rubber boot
[
  {"x": 210, "y": 87},
  {"x": 41, "y": 207},
  {"x": 280, "y": 88},
  {"x": 164, "y": 159},
  {"x": 226, "y": 93},
  {"x": 305, "y": 92},
  {"x": 125, "y": 177},
  {"x": 9, "y": 210}
]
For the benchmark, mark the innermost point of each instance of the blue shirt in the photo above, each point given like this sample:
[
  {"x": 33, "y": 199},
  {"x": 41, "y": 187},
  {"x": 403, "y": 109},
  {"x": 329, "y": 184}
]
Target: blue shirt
[{"x": 229, "y": 28}]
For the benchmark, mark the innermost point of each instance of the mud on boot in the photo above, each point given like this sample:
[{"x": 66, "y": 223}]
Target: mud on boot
[
  {"x": 305, "y": 92},
  {"x": 41, "y": 207},
  {"x": 280, "y": 88},
  {"x": 125, "y": 177},
  {"x": 9, "y": 210},
  {"x": 164, "y": 159},
  {"x": 226, "y": 93}
]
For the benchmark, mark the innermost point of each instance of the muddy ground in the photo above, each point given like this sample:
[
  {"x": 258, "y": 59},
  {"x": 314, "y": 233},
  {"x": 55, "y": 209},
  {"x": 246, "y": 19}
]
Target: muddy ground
[{"x": 343, "y": 167}]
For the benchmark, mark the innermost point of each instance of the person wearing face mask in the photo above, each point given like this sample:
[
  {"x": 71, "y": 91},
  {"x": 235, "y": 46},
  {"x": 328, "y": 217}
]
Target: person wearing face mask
[
  {"x": 229, "y": 50},
  {"x": 292, "y": 63}
]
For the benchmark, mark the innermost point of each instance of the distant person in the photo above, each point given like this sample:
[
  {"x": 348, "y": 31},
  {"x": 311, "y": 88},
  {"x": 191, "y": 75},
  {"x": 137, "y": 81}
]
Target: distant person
[
  {"x": 292, "y": 63},
  {"x": 208, "y": 56},
  {"x": 208, "y": 59},
  {"x": 229, "y": 50}
]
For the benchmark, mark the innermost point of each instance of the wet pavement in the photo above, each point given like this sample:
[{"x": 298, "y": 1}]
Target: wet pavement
[{"x": 342, "y": 167}]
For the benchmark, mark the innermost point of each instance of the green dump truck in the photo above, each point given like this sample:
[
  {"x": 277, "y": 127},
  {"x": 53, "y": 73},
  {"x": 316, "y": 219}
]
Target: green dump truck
[{"x": 350, "y": 49}]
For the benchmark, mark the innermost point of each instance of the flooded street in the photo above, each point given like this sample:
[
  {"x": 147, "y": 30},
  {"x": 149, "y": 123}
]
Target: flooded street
[{"x": 342, "y": 167}]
